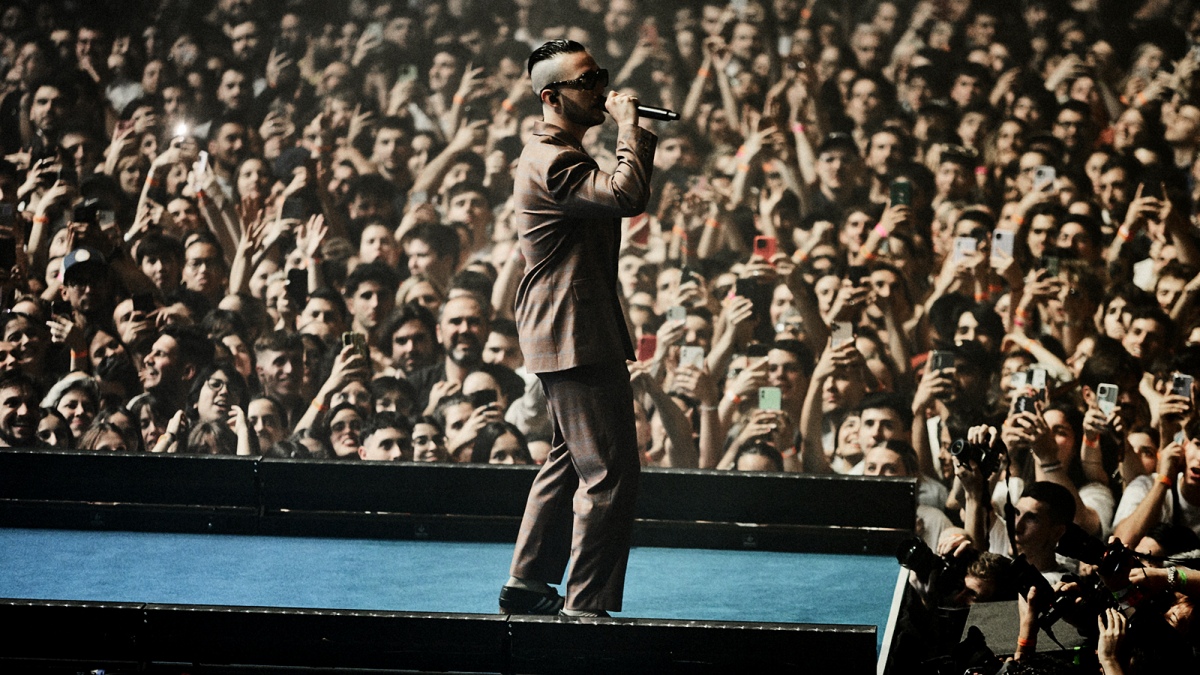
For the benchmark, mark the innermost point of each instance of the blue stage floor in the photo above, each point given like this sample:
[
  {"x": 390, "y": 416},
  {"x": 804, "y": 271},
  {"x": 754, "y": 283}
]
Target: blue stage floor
[{"x": 428, "y": 576}]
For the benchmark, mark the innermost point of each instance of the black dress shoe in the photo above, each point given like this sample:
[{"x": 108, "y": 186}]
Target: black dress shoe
[{"x": 515, "y": 600}]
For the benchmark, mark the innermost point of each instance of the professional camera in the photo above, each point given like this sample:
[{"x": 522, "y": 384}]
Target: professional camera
[
  {"x": 944, "y": 574},
  {"x": 986, "y": 457}
]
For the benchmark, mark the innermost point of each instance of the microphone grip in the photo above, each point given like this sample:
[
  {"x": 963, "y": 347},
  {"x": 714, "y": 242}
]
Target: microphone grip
[{"x": 653, "y": 113}]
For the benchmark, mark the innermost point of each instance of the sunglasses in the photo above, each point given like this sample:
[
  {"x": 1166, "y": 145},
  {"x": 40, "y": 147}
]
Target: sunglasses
[{"x": 586, "y": 81}]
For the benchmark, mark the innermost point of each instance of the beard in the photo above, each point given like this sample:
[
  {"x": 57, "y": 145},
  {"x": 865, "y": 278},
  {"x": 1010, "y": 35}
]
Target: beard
[{"x": 578, "y": 114}]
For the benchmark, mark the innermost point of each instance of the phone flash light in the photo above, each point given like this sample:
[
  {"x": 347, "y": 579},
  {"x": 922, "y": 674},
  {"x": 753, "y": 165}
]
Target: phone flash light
[{"x": 181, "y": 129}]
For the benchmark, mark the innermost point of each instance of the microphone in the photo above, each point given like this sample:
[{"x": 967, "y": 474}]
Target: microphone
[{"x": 661, "y": 114}]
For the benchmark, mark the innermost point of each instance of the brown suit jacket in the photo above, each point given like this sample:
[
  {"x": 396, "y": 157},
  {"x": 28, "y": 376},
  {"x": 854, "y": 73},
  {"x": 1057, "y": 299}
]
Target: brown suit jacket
[{"x": 568, "y": 214}]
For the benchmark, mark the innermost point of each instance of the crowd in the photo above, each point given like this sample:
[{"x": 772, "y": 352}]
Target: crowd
[{"x": 284, "y": 228}]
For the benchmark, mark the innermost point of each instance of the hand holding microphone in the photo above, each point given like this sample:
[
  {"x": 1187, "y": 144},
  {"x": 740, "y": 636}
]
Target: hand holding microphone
[{"x": 625, "y": 109}]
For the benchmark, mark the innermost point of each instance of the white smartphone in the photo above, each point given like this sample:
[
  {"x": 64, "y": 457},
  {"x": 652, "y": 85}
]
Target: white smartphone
[
  {"x": 690, "y": 355},
  {"x": 964, "y": 247},
  {"x": 841, "y": 333},
  {"x": 1106, "y": 398}
]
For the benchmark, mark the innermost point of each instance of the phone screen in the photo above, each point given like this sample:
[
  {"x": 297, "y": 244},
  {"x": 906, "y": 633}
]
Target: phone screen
[{"x": 769, "y": 398}]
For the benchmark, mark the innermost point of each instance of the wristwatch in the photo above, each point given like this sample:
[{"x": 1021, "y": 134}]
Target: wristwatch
[{"x": 1172, "y": 579}]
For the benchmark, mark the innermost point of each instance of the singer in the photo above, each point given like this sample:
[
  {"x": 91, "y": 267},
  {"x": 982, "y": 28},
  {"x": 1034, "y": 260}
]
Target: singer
[{"x": 572, "y": 333}]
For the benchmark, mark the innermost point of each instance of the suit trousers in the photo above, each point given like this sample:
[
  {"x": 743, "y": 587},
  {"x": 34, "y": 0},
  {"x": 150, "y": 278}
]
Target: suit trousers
[{"x": 582, "y": 502}]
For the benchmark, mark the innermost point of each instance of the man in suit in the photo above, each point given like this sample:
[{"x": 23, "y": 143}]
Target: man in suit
[{"x": 573, "y": 336}]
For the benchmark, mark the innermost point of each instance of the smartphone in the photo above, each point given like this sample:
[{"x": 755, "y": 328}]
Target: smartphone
[
  {"x": 1181, "y": 385},
  {"x": 8, "y": 253},
  {"x": 1151, "y": 189},
  {"x": 408, "y": 72},
  {"x": 297, "y": 287},
  {"x": 842, "y": 333},
  {"x": 691, "y": 355},
  {"x": 677, "y": 313},
  {"x": 294, "y": 208},
  {"x": 1106, "y": 398},
  {"x": 647, "y": 345},
  {"x": 964, "y": 247},
  {"x": 182, "y": 130},
  {"x": 765, "y": 247},
  {"x": 901, "y": 193},
  {"x": 373, "y": 31},
  {"x": 941, "y": 360},
  {"x": 60, "y": 307},
  {"x": 358, "y": 341},
  {"x": 481, "y": 398},
  {"x": 144, "y": 303},
  {"x": 758, "y": 350},
  {"x": 8, "y": 216},
  {"x": 1043, "y": 177},
  {"x": 1019, "y": 380},
  {"x": 1026, "y": 404},
  {"x": 1037, "y": 378},
  {"x": 202, "y": 162},
  {"x": 857, "y": 274},
  {"x": 769, "y": 398},
  {"x": 84, "y": 213},
  {"x": 1002, "y": 242},
  {"x": 1051, "y": 264}
]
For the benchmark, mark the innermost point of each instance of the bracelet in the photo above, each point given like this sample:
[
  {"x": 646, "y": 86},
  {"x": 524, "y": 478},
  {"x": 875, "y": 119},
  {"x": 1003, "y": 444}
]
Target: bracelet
[
  {"x": 1165, "y": 480},
  {"x": 1124, "y": 234},
  {"x": 1019, "y": 322},
  {"x": 703, "y": 72},
  {"x": 981, "y": 296},
  {"x": 1019, "y": 220},
  {"x": 744, "y": 168},
  {"x": 1023, "y": 643},
  {"x": 1172, "y": 579},
  {"x": 712, "y": 223},
  {"x": 741, "y": 152},
  {"x": 458, "y": 99},
  {"x": 678, "y": 231},
  {"x": 1050, "y": 466},
  {"x": 41, "y": 220},
  {"x": 868, "y": 256},
  {"x": 79, "y": 355},
  {"x": 981, "y": 170},
  {"x": 1182, "y": 578},
  {"x": 797, "y": 128},
  {"x": 318, "y": 406},
  {"x": 507, "y": 105},
  {"x": 708, "y": 408},
  {"x": 1091, "y": 443},
  {"x": 735, "y": 399},
  {"x": 1140, "y": 99},
  {"x": 152, "y": 182},
  {"x": 880, "y": 230}
]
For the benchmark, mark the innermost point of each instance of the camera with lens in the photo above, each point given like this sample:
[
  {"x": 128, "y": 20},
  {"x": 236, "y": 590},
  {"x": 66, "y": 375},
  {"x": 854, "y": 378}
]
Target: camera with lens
[
  {"x": 986, "y": 457},
  {"x": 945, "y": 574}
]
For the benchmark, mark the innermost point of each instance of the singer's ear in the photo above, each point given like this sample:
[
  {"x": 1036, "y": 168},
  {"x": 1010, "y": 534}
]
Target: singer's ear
[{"x": 551, "y": 96}]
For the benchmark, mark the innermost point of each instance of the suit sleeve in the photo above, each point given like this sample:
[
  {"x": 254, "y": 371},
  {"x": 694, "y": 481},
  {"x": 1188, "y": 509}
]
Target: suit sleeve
[{"x": 578, "y": 185}]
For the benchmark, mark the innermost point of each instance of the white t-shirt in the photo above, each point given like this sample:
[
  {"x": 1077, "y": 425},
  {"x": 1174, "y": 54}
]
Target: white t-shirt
[{"x": 1139, "y": 489}]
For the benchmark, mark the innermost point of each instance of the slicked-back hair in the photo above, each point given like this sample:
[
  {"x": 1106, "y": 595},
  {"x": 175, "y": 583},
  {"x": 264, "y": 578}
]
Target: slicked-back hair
[{"x": 552, "y": 49}]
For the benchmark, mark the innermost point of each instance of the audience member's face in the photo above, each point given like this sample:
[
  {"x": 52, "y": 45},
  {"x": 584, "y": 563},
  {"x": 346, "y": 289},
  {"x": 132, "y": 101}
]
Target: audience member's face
[
  {"x": 150, "y": 427},
  {"x": 281, "y": 373},
  {"x": 203, "y": 269},
  {"x": 429, "y": 445},
  {"x": 462, "y": 330},
  {"x": 877, "y": 425},
  {"x": 79, "y": 409},
  {"x": 267, "y": 422},
  {"x": 387, "y": 444},
  {"x": 344, "y": 431},
  {"x": 356, "y": 394},
  {"x": 216, "y": 398},
  {"x": 1145, "y": 339},
  {"x": 370, "y": 304},
  {"x": 53, "y": 432},
  {"x": 423, "y": 259},
  {"x": 163, "y": 365},
  {"x": 471, "y": 208},
  {"x": 1035, "y": 531},
  {"x": 378, "y": 244},
  {"x": 18, "y": 417},
  {"x": 321, "y": 318},
  {"x": 881, "y": 461},
  {"x": 412, "y": 347},
  {"x": 504, "y": 350},
  {"x": 506, "y": 450}
]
